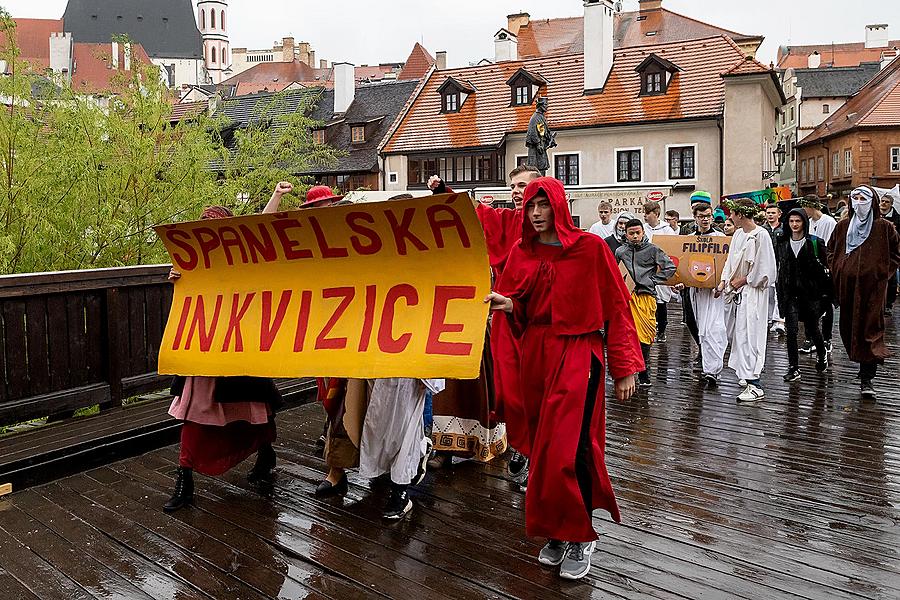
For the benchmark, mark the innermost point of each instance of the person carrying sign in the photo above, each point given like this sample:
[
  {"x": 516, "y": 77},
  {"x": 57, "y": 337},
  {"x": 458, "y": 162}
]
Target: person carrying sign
[
  {"x": 748, "y": 273},
  {"x": 862, "y": 253},
  {"x": 804, "y": 287},
  {"x": 708, "y": 309},
  {"x": 649, "y": 268},
  {"x": 225, "y": 419},
  {"x": 559, "y": 289}
]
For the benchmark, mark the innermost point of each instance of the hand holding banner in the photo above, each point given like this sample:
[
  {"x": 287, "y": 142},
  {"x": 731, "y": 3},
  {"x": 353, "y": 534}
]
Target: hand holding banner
[{"x": 389, "y": 289}]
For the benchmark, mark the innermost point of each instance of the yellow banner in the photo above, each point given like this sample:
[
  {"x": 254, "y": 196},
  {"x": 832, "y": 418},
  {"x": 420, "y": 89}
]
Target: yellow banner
[{"x": 387, "y": 289}]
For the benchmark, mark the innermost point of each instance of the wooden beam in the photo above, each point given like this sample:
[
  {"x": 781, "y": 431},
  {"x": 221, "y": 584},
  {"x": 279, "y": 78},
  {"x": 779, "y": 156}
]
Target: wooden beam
[{"x": 5, "y": 488}]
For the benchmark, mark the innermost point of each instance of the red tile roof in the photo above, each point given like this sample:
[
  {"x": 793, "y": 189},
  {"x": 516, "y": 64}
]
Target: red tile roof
[
  {"x": 486, "y": 117},
  {"x": 274, "y": 72},
  {"x": 93, "y": 66},
  {"x": 33, "y": 37},
  {"x": 553, "y": 37},
  {"x": 832, "y": 55},
  {"x": 876, "y": 104},
  {"x": 747, "y": 67},
  {"x": 187, "y": 110},
  {"x": 253, "y": 87},
  {"x": 417, "y": 64}
]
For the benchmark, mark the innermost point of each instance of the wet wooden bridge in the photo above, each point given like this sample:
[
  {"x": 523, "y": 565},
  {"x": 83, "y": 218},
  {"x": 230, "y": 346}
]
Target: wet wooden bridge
[{"x": 796, "y": 496}]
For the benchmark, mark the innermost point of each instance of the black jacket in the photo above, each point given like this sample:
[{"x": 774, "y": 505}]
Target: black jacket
[
  {"x": 238, "y": 389},
  {"x": 893, "y": 217},
  {"x": 803, "y": 279}
]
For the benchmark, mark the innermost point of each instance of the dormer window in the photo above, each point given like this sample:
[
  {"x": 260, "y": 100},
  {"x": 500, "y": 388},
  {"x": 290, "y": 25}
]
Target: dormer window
[
  {"x": 656, "y": 75},
  {"x": 653, "y": 83},
  {"x": 358, "y": 134},
  {"x": 318, "y": 136},
  {"x": 524, "y": 87},
  {"x": 453, "y": 94}
]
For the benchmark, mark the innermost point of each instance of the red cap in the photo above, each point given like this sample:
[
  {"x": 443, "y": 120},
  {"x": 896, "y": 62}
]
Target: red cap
[{"x": 320, "y": 195}]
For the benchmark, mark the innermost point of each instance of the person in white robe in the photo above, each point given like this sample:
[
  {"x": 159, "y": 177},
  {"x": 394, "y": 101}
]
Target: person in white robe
[
  {"x": 393, "y": 438},
  {"x": 709, "y": 311},
  {"x": 748, "y": 273}
]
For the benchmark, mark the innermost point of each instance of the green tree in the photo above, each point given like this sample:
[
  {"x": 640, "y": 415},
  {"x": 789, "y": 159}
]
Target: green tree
[{"x": 85, "y": 178}]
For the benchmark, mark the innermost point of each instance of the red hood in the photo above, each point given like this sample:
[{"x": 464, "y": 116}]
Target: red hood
[{"x": 565, "y": 226}]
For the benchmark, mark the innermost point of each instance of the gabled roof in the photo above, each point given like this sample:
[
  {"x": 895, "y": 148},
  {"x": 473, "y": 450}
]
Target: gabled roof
[
  {"x": 452, "y": 82},
  {"x": 697, "y": 93},
  {"x": 877, "y": 104},
  {"x": 554, "y": 37},
  {"x": 188, "y": 110},
  {"x": 33, "y": 38},
  {"x": 376, "y": 105},
  {"x": 832, "y": 55},
  {"x": 524, "y": 73},
  {"x": 93, "y": 71},
  {"x": 270, "y": 73},
  {"x": 835, "y": 82},
  {"x": 748, "y": 66},
  {"x": 658, "y": 60},
  {"x": 417, "y": 64},
  {"x": 166, "y": 28}
]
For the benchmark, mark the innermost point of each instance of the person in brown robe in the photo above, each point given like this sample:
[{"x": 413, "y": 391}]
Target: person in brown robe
[{"x": 863, "y": 251}]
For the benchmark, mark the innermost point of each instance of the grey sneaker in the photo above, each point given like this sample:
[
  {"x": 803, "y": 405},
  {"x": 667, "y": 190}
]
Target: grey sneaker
[
  {"x": 577, "y": 561},
  {"x": 867, "y": 391},
  {"x": 553, "y": 553}
]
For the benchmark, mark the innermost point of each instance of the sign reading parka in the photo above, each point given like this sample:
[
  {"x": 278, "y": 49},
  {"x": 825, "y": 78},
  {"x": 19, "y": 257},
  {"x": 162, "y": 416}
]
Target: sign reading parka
[{"x": 388, "y": 289}]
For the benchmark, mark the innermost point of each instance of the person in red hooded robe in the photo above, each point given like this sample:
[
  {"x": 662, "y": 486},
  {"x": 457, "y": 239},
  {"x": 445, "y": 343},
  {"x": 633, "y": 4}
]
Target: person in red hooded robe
[{"x": 561, "y": 289}]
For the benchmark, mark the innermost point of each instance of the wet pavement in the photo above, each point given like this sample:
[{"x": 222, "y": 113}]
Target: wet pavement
[{"x": 794, "y": 496}]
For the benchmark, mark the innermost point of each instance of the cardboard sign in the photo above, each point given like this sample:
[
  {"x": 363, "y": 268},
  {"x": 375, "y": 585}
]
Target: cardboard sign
[
  {"x": 389, "y": 289},
  {"x": 767, "y": 196},
  {"x": 700, "y": 259}
]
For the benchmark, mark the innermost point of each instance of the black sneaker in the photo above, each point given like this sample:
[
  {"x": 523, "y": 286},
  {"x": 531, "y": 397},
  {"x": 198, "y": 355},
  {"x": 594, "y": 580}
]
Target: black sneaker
[
  {"x": 793, "y": 374},
  {"x": 822, "y": 363},
  {"x": 867, "y": 391},
  {"x": 517, "y": 463},
  {"x": 807, "y": 347},
  {"x": 398, "y": 504},
  {"x": 828, "y": 347},
  {"x": 644, "y": 380},
  {"x": 711, "y": 381},
  {"x": 661, "y": 337}
]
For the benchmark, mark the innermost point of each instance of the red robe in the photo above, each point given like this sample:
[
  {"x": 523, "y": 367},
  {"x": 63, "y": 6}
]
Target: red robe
[
  {"x": 502, "y": 229},
  {"x": 563, "y": 296}
]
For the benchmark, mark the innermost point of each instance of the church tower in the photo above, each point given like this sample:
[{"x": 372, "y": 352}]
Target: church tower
[{"x": 212, "y": 20}]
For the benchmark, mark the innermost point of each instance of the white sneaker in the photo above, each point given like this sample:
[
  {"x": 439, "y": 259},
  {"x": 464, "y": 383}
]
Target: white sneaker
[{"x": 751, "y": 393}]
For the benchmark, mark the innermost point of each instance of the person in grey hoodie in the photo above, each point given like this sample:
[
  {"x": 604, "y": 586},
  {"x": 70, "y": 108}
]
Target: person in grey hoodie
[{"x": 648, "y": 267}]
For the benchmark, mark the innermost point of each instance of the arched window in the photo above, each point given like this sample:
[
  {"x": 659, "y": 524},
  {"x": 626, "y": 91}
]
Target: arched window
[
  {"x": 222, "y": 20},
  {"x": 202, "y": 18},
  {"x": 212, "y": 19},
  {"x": 214, "y": 55}
]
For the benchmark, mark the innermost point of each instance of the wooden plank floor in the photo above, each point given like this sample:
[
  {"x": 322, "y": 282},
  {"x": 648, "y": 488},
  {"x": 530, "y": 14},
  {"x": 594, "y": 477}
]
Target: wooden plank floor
[{"x": 797, "y": 496}]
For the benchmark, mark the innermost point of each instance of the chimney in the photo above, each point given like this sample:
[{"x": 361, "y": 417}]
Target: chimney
[
  {"x": 344, "y": 86},
  {"x": 877, "y": 36},
  {"x": 814, "y": 60},
  {"x": 61, "y": 53},
  {"x": 312, "y": 58},
  {"x": 287, "y": 49},
  {"x": 127, "y": 52},
  {"x": 304, "y": 52},
  {"x": 323, "y": 64},
  {"x": 888, "y": 56},
  {"x": 440, "y": 60},
  {"x": 506, "y": 46},
  {"x": 650, "y": 5},
  {"x": 514, "y": 22},
  {"x": 115, "y": 55},
  {"x": 598, "y": 43}
]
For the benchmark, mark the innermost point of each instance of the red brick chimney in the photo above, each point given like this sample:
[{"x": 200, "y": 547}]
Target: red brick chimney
[{"x": 650, "y": 5}]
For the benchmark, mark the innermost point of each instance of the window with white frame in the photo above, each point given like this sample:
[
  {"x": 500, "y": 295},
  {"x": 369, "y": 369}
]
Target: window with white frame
[
  {"x": 567, "y": 168},
  {"x": 848, "y": 162},
  {"x": 835, "y": 165},
  {"x": 826, "y": 109},
  {"x": 792, "y": 114},
  {"x": 681, "y": 163},
  {"x": 628, "y": 165},
  {"x": 820, "y": 163},
  {"x": 803, "y": 171},
  {"x": 895, "y": 159},
  {"x": 812, "y": 170}
]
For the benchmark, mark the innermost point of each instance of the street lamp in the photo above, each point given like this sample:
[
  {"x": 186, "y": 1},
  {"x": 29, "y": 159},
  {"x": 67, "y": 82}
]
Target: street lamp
[{"x": 780, "y": 155}]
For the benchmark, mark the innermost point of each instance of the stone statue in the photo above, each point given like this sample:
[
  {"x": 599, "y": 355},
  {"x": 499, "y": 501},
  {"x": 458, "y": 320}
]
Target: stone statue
[{"x": 539, "y": 138}]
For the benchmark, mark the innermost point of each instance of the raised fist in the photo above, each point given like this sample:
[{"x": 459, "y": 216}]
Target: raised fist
[{"x": 284, "y": 187}]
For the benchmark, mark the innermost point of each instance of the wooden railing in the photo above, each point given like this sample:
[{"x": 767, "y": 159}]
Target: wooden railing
[{"x": 78, "y": 338}]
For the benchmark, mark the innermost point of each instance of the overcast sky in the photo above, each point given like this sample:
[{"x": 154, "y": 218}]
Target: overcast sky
[{"x": 372, "y": 32}]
